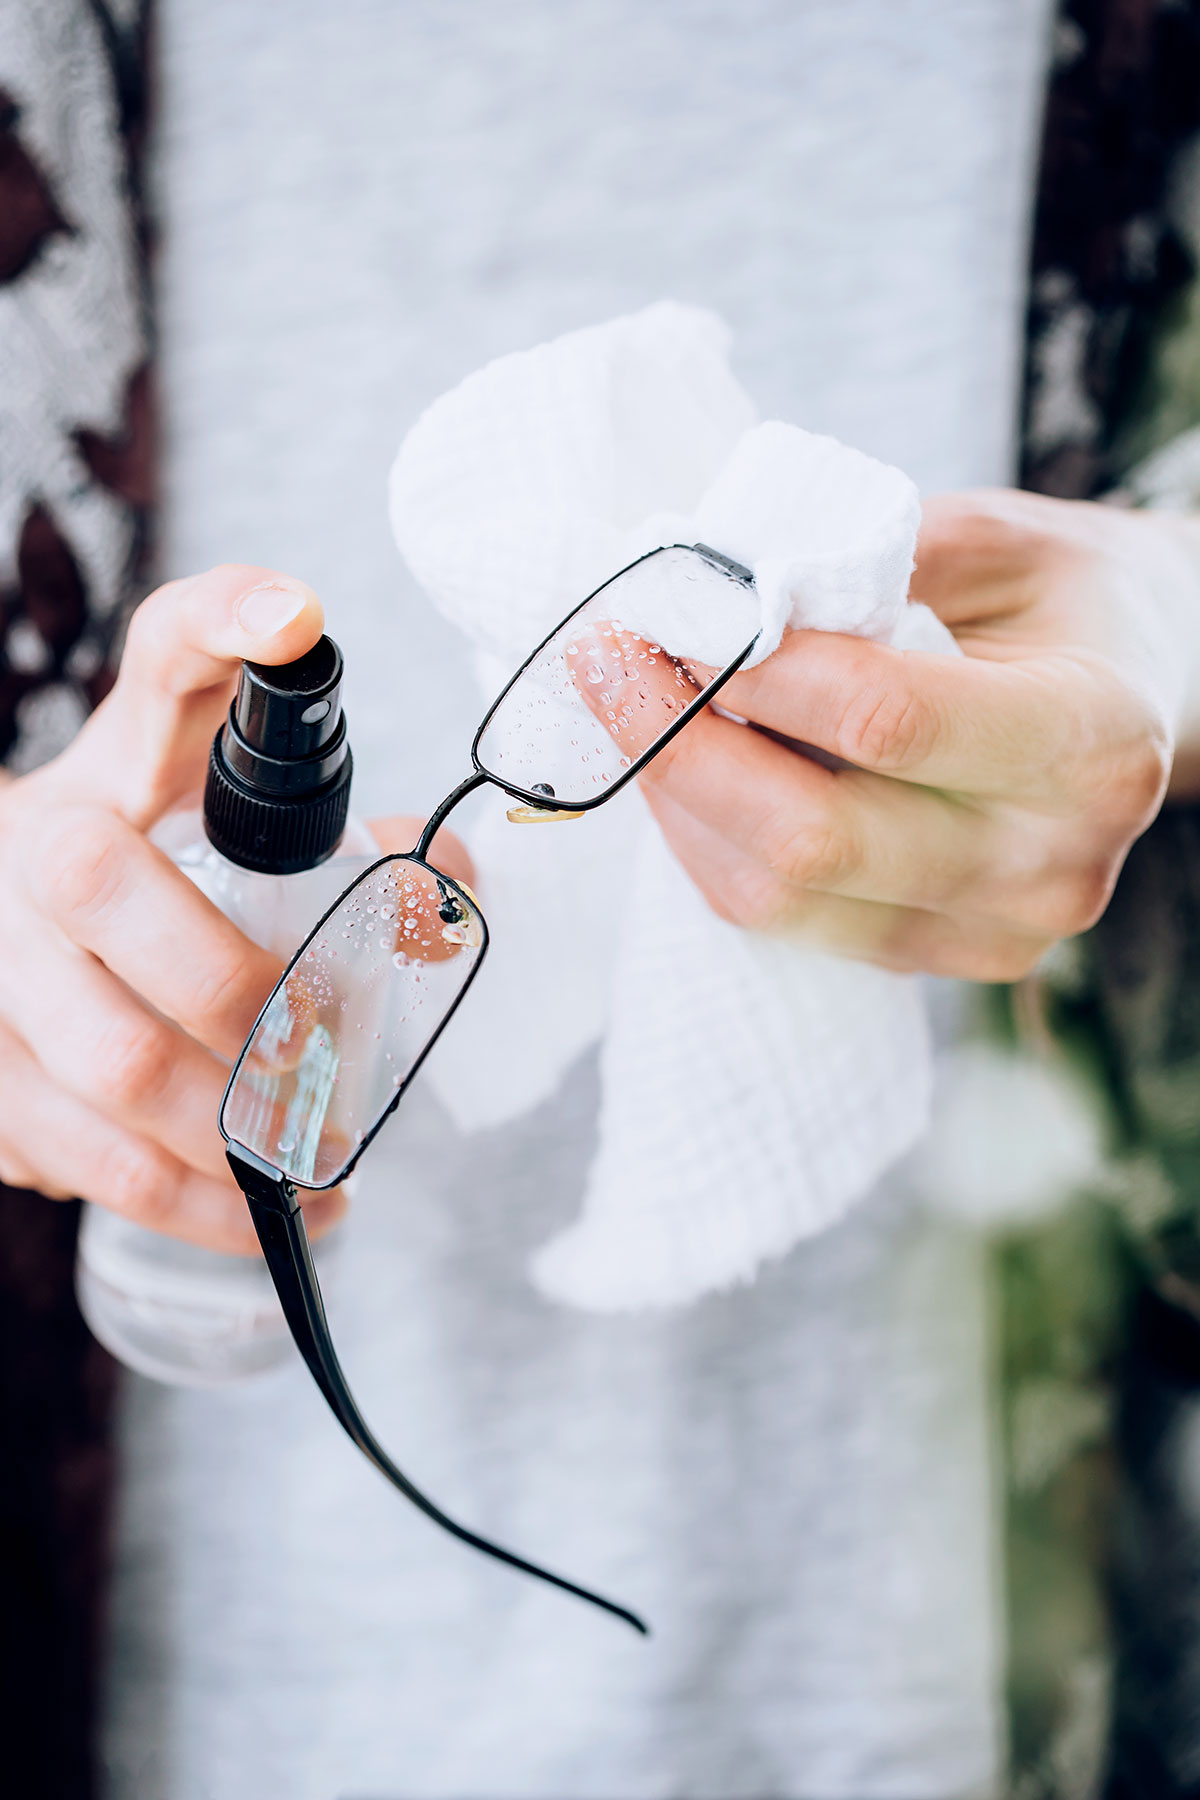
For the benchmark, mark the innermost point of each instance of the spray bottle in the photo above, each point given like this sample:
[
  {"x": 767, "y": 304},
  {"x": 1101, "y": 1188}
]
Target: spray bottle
[{"x": 273, "y": 847}]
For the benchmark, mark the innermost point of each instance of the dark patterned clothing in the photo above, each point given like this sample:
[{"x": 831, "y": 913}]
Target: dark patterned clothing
[
  {"x": 75, "y": 493},
  {"x": 1098, "y": 1308}
]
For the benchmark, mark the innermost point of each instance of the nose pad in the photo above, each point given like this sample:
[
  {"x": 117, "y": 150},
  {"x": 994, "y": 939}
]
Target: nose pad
[
  {"x": 450, "y": 909},
  {"x": 540, "y": 815}
]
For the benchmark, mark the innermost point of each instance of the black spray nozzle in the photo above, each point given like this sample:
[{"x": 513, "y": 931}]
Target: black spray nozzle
[
  {"x": 294, "y": 711},
  {"x": 286, "y": 733},
  {"x": 279, "y": 775}
]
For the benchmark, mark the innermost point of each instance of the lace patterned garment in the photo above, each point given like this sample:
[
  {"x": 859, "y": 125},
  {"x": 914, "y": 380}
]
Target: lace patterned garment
[{"x": 75, "y": 462}]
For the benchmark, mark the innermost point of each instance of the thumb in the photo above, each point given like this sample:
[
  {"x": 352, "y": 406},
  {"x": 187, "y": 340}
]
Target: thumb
[{"x": 147, "y": 744}]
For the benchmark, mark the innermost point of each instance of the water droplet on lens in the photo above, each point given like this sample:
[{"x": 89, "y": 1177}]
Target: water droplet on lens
[
  {"x": 594, "y": 675},
  {"x": 400, "y": 960}
]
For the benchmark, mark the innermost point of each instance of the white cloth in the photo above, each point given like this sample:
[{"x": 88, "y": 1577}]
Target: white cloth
[{"x": 753, "y": 1089}]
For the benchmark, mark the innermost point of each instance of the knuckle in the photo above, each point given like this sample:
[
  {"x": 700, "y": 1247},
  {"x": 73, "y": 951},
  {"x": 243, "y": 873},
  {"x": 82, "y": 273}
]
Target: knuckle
[
  {"x": 884, "y": 728},
  {"x": 228, "y": 989},
  {"x": 808, "y": 853},
  {"x": 1121, "y": 791},
  {"x": 1143, "y": 783},
  {"x": 1087, "y": 897},
  {"x": 81, "y": 867},
  {"x": 14, "y": 1170},
  {"x": 131, "y": 1064},
  {"x": 1070, "y": 902},
  {"x": 134, "y": 1179},
  {"x": 752, "y": 898}
]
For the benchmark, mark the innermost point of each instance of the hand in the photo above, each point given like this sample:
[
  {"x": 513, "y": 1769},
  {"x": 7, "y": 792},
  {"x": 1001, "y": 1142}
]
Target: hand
[
  {"x": 123, "y": 992},
  {"x": 995, "y": 795}
]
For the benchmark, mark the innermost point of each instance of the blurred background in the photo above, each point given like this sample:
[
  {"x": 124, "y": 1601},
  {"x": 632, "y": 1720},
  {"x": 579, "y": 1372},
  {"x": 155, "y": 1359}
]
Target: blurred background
[{"x": 241, "y": 249}]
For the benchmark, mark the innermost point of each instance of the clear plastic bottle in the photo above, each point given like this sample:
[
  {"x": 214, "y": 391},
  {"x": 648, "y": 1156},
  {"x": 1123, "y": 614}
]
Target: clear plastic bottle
[{"x": 168, "y": 1309}]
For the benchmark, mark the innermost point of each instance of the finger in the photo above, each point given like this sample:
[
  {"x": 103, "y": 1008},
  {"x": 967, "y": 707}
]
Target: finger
[
  {"x": 982, "y": 557},
  {"x": 904, "y": 940},
  {"x": 847, "y": 833},
  {"x": 93, "y": 1039},
  {"x": 113, "y": 894},
  {"x": 634, "y": 688},
  {"x": 399, "y": 833},
  {"x": 146, "y": 745},
  {"x": 988, "y": 559},
  {"x": 967, "y": 724},
  {"x": 963, "y": 949},
  {"x": 72, "y": 1149},
  {"x": 743, "y": 891}
]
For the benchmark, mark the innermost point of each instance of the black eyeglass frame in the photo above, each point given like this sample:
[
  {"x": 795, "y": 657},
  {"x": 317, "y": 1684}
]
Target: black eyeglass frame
[{"x": 271, "y": 1195}]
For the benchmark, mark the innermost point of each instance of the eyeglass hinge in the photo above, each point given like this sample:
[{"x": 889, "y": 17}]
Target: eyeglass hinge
[
  {"x": 738, "y": 570},
  {"x": 261, "y": 1184}
]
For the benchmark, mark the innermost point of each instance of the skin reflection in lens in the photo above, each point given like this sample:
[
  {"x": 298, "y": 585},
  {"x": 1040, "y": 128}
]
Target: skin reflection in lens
[
  {"x": 634, "y": 688},
  {"x": 433, "y": 923},
  {"x": 346, "y": 1026},
  {"x": 435, "y": 920}
]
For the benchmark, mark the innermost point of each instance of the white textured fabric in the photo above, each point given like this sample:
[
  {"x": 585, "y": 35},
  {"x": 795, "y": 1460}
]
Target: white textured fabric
[{"x": 753, "y": 1089}]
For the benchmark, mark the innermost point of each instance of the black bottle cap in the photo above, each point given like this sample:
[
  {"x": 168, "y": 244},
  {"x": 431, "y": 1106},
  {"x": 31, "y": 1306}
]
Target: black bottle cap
[{"x": 278, "y": 788}]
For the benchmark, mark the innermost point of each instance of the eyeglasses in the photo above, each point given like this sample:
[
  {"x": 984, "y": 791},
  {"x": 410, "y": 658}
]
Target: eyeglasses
[{"x": 378, "y": 979}]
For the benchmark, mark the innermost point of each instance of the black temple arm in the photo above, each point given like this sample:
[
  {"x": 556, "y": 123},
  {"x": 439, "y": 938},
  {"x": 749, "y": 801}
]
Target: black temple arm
[{"x": 279, "y": 1222}]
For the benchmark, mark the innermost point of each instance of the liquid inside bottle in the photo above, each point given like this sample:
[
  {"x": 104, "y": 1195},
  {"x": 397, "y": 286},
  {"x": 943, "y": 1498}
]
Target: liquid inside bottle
[
  {"x": 272, "y": 848},
  {"x": 172, "y": 1310}
]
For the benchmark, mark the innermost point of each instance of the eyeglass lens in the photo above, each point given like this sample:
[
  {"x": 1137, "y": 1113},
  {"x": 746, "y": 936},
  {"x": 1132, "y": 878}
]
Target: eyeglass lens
[
  {"x": 351, "y": 1019},
  {"x": 597, "y": 697}
]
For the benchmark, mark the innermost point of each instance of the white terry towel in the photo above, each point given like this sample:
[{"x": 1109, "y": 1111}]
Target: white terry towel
[{"x": 753, "y": 1089}]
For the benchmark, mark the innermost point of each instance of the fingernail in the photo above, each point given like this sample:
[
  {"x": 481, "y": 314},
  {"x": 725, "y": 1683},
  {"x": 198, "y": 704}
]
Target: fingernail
[{"x": 267, "y": 609}]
